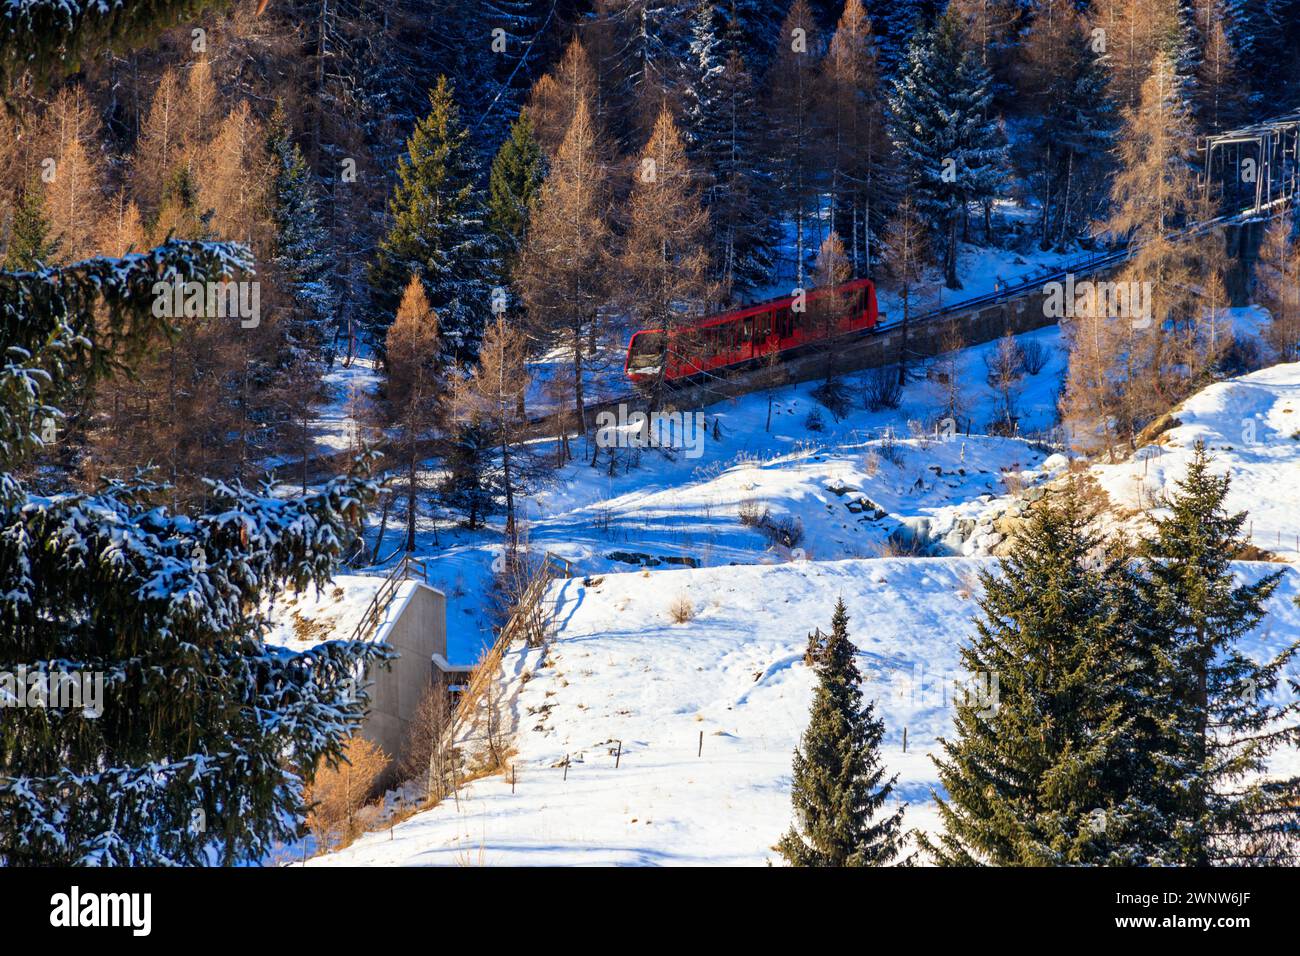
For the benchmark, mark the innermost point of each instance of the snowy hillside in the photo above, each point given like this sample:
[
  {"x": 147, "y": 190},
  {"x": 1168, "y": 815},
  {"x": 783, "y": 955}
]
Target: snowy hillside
[
  {"x": 1252, "y": 425},
  {"x": 859, "y": 487},
  {"x": 620, "y": 670}
]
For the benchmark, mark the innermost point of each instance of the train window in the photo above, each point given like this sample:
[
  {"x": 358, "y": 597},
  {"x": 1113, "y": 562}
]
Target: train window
[
  {"x": 747, "y": 330},
  {"x": 784, "y": 322},
  {"x": 765, "y": 325},
  {"x": 647, "y": 350}
]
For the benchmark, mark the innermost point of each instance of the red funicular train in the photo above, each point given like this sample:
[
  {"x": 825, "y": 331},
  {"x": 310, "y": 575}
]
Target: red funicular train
[{"x": 734, "y": 339}]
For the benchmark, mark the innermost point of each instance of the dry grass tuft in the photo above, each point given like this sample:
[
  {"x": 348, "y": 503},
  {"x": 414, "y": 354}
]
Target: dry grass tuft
[{"x": 682, "y": 609}]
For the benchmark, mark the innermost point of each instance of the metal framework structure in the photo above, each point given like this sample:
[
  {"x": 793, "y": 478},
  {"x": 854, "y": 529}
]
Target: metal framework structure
[{"x": 1258, "y": 165}]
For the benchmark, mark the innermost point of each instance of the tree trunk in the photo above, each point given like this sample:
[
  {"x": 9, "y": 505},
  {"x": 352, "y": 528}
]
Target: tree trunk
[{"x": 410, "y": 503}]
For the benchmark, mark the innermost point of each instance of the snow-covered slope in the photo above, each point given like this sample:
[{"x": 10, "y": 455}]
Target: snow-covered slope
[
  {"x": 621, "y": 673},
  {"x": 1252, "y": 426},
  {"x": 657, "y": 510}
]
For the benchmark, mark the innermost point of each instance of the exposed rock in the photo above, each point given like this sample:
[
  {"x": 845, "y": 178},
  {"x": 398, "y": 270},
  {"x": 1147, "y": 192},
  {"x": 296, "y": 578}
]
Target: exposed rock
[{"x": 1157, "y": 428}]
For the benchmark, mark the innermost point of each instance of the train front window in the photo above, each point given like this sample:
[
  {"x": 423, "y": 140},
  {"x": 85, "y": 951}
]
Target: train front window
[{"x": 647, "y": 350}]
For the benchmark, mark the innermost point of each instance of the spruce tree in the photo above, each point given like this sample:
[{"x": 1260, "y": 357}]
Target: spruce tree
[
  {"x": 204, "y": 735},
  {"x": 949, "y": 149},
  {"x": 471, "y": 483},
  {"x": 30, "y": 243},
  {"x": 513, "y": 185},
  {"x": 437, "y": 230},
  {"x": 1228, "y": 719},
  {"x": 722, "y": 130},
  {"x": 839, "y": 780},
  {"x": 1070, "y": 124},
  {"x": 1040, "y": 772},
  {"x": 301, "y": 239},
  {"x": 897, "y": 23}
]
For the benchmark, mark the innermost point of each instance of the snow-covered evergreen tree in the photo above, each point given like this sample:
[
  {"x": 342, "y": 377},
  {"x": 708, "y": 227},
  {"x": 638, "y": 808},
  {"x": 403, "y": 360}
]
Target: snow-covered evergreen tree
[
  {"x": 472, "y": 484},
  {"x": 1263, "y": 32},
  {"x": 840, "y": 785},
  {"x": 1040, "y": 771},
  {"x": 950, "y": 151},
  {"x": 302, "y": 250},
  {"x": 751, "y": 27},
  {"x": 1228, "y": 716},
  {"x": 437, "y": 231},
  {"x": 513, "y": 185},
  {"x": 205, "y": 733},
  {"x": 198, "y": 749},
  {"x": 896, "y": 24},
  {"x": 722, "y": 130}
]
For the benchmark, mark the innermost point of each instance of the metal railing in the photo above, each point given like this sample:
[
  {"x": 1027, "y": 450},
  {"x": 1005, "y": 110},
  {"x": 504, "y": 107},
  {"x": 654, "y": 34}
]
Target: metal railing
[
  {"x": 409, "y": 566},
  {"x": 524, "y": 618}
]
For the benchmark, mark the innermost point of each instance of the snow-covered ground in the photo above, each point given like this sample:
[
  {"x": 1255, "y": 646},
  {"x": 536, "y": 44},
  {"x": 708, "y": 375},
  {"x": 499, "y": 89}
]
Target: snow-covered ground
[
  {"x": 621, "y": 673},
  {"x": 1252, "y": 426},
  {"x": 662, "y": 509},
  {"x": 660, "y": 527}
]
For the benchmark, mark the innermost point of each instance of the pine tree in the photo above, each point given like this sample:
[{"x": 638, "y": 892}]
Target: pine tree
[
  {"x": 513, "y": 185},
  {"x": 1070, "y": 122},
  {"x": 722, "y": 129},
  {"x": 30, "y": 243},
  {"x": 301, "y": 240},
  {"x": 792, "y": 119},
  {"x": 1263, "y": 33},
  {"x": 197, "y": 714},
  {"x": 898, "y": 22},
  {"x": 702, "y": 69},
  {"x": 1041, "y": 770},
  {"x": 751, "y": 26},
  {"x": 951, "y": 152},
  {"x": 471, "y": 484},
  {"x": 437, "y": 230},
  {"x": 1228, "y": 719},
  {"x": 839, "y": 780}
]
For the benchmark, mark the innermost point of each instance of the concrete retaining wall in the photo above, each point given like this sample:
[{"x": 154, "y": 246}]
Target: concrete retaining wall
[{"x": 418, "y": 631}]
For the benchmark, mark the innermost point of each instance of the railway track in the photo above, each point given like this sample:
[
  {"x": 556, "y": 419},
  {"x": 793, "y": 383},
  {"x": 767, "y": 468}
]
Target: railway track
[
  {"x": 860, "y": 351},
  {"x": 986, "y": 318}
]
